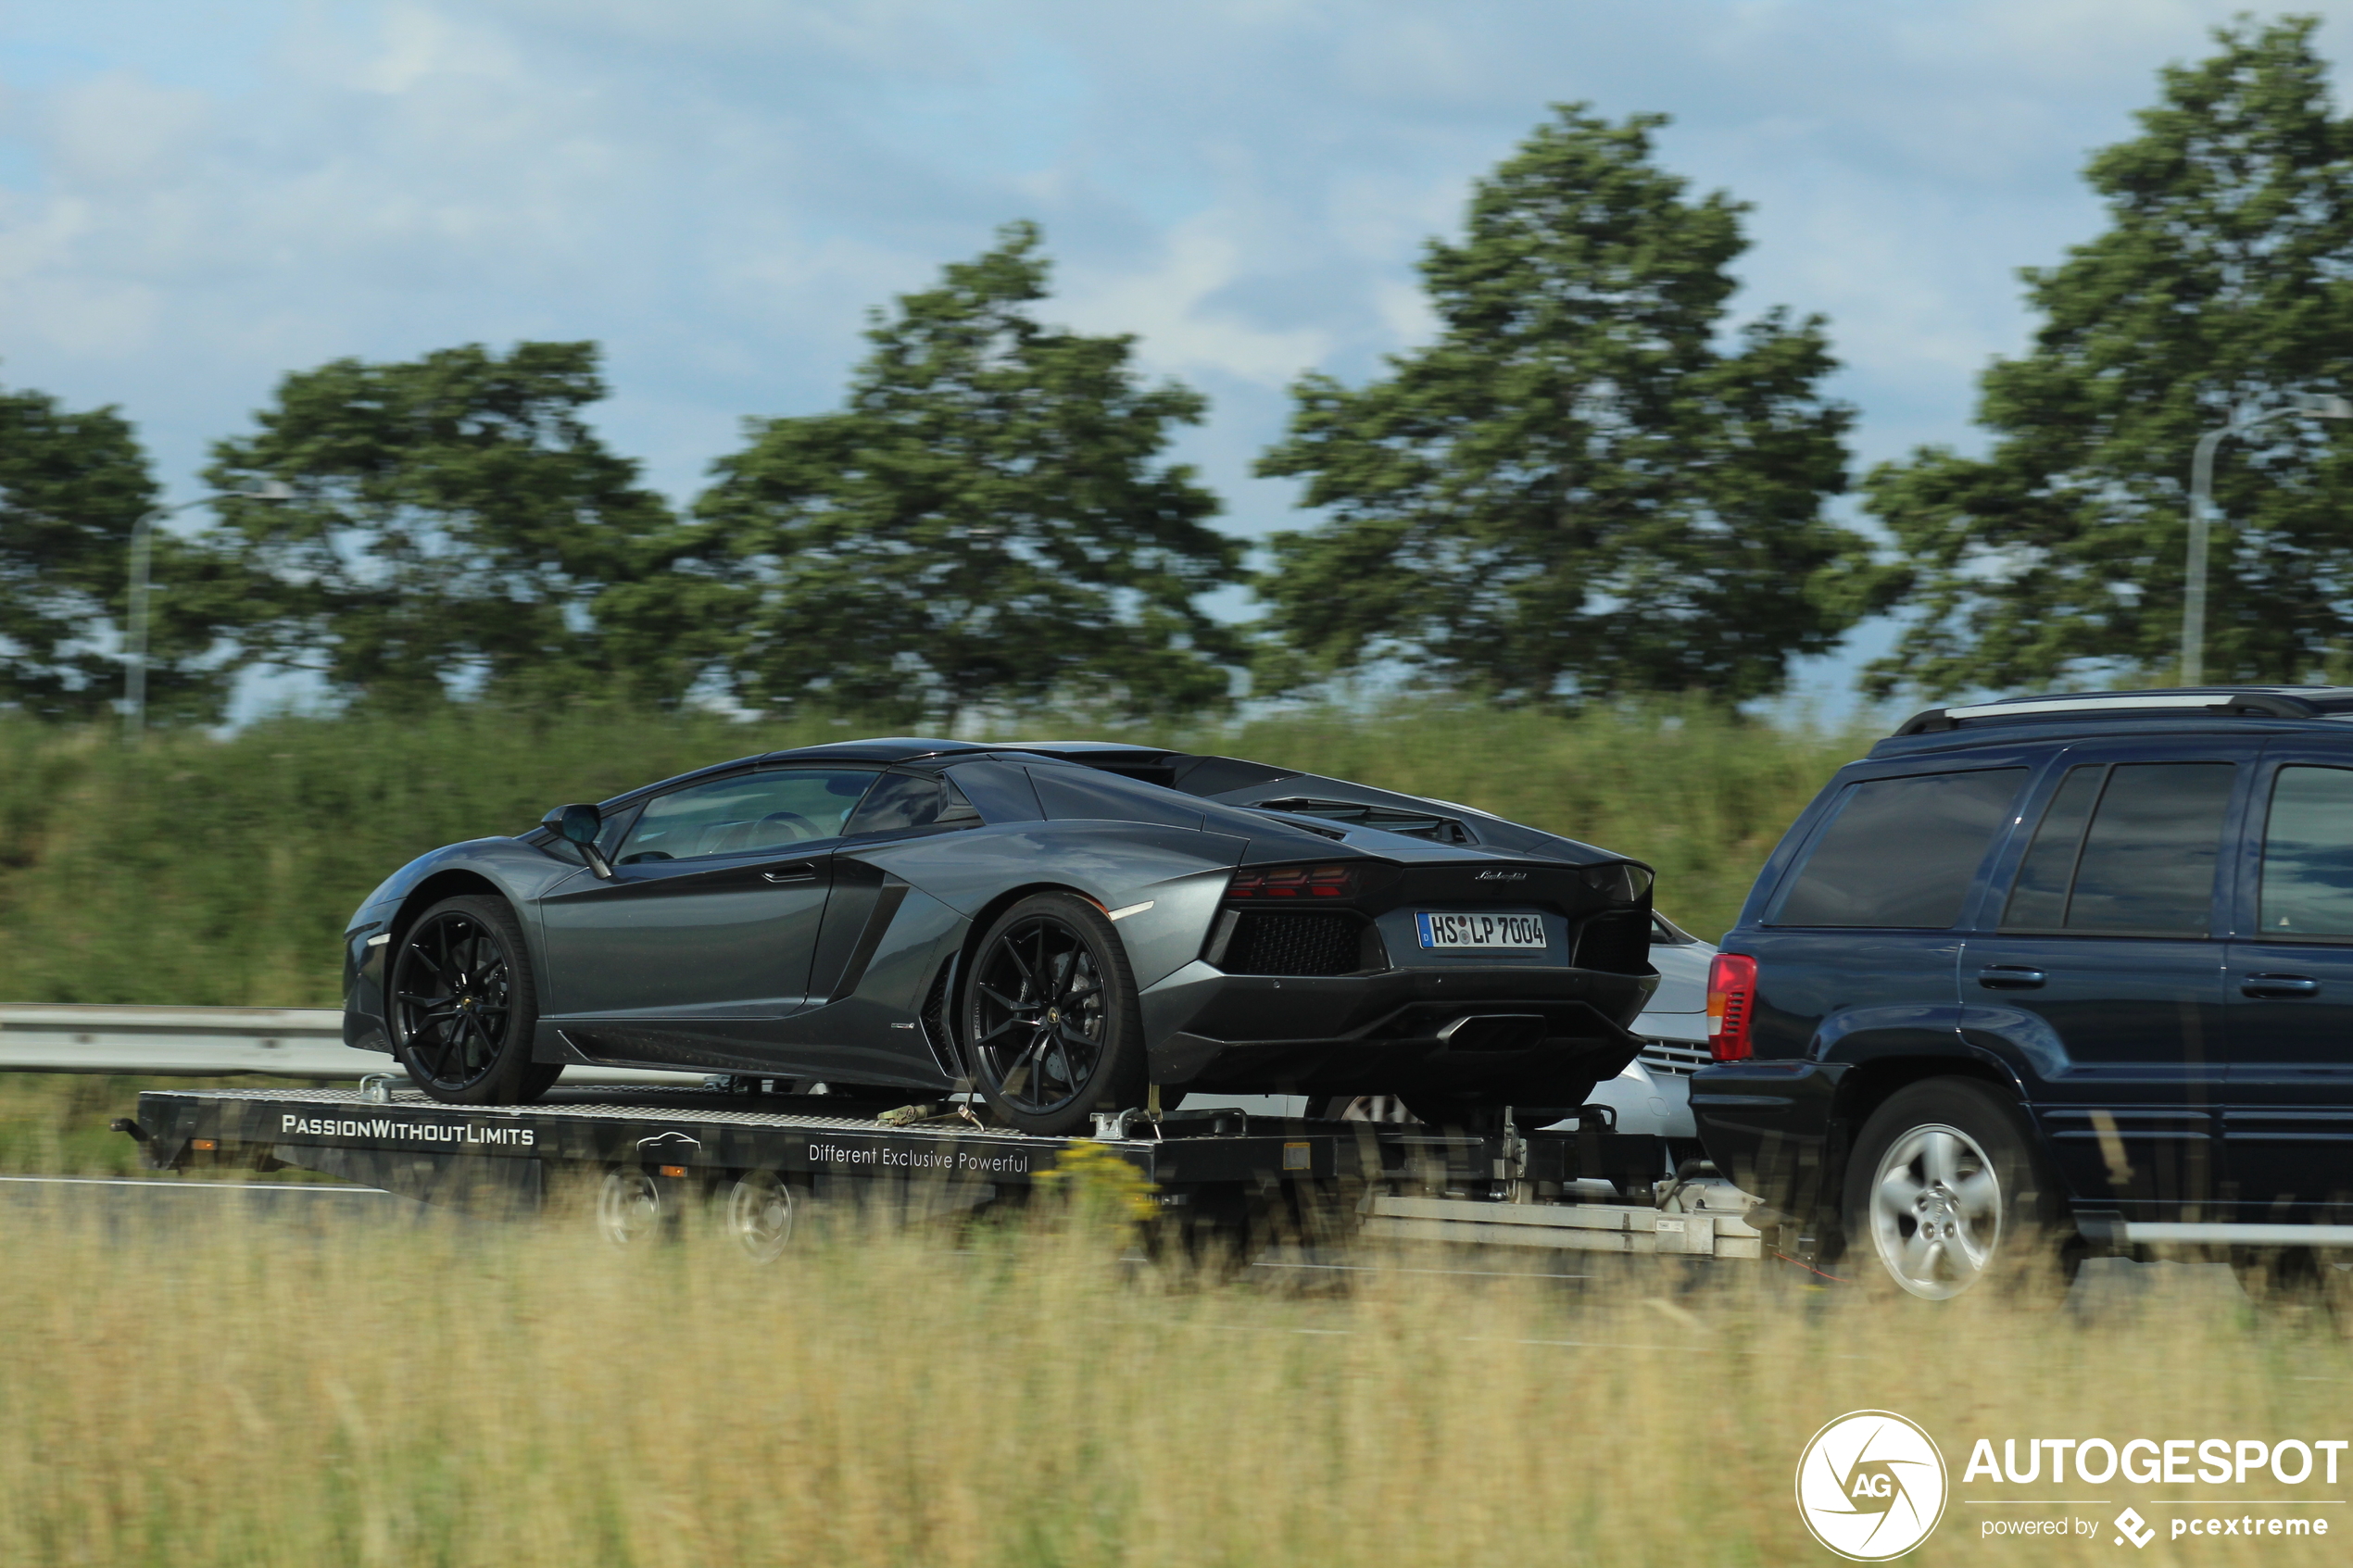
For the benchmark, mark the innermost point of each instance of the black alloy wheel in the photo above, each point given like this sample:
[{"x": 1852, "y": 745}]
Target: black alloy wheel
[
  {"x": 463, "y": 1006},
  {"x": 1050, "y": 1017}
]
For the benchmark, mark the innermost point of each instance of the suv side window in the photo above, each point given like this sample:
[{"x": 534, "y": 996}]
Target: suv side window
[
  {"x": 2126, "y": 851},
  {"x": 2308, "y": 857},
  {"x": 1901, "y": 852}
]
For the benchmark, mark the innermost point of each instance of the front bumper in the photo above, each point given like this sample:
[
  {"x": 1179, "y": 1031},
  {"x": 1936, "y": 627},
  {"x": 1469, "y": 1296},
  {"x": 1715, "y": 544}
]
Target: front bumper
[{"x": 1534, "y": 1035}]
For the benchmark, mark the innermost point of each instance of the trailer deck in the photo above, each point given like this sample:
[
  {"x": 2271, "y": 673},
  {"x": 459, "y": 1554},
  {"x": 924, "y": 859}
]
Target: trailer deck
[{"x": 651, "y": 1151}]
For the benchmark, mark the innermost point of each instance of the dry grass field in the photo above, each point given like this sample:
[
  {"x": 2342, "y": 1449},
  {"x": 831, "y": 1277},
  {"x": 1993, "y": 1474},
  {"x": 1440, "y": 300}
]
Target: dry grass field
[{"x": 462, "y": 1395}]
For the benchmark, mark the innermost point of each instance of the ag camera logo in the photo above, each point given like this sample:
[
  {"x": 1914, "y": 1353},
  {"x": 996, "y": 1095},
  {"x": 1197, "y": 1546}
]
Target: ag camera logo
[{"x": 1870, "y": 1485}]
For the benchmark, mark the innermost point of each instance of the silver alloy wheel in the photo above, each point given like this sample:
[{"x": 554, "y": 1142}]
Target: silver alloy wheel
[
  {"x": 1936, "y": 1211},
  {"x": 760, "y": 1215},
  {"x": 628, "y": 1208}
]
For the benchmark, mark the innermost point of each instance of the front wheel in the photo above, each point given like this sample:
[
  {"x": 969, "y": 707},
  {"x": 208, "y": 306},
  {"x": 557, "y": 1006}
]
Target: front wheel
[
  {"x": 1945, "y": 1190},
  {"x": 1050, "y": 1017},
  {"x": 464, "y": 1004}
]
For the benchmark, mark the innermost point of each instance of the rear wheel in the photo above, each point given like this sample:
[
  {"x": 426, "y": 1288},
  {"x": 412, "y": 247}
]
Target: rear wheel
[
  {"x": 465, "y": 1005},
  {"x": 1944, "y": 1192},
  {"x": 760, "y": 1215},
  {"x": 631, "y": 1208},
  {"x": 1050, "y": 1017}
]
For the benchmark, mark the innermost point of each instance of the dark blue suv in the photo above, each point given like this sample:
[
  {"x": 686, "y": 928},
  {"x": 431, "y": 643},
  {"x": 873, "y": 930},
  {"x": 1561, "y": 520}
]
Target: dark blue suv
[{"x": 2075, "y": 967}]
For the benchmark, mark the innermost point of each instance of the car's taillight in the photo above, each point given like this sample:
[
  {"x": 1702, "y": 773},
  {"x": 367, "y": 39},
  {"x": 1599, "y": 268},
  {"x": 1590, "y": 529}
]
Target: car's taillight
[
  {"x": 1732, "y": 998},
  {"x": 1293, "y": 882}
]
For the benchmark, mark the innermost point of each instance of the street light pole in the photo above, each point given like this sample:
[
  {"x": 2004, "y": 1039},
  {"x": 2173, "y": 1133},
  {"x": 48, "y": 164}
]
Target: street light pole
[
  {"x": 134, "y": 630},
  {"x": 2312, "y": 405}
]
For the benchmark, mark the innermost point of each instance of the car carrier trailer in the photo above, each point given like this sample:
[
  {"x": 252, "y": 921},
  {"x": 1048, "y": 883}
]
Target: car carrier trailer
[{"x": 652, "y": 1155}]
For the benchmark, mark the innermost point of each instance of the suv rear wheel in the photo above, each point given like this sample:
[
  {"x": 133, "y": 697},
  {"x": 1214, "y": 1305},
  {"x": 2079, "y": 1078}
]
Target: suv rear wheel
[{"x": 1944, "y": 1190}]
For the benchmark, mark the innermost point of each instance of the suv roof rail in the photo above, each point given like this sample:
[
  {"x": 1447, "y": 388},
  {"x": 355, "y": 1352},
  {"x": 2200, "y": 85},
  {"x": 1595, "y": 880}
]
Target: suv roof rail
[{"x": 2239, "y": 702}]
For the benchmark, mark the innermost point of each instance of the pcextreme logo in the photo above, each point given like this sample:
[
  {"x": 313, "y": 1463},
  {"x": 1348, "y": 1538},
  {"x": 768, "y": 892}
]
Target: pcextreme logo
[{"x": 1870, "y": 1485}]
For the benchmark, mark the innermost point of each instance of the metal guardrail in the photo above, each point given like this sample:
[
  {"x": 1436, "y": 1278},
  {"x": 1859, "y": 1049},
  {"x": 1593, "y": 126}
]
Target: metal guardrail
[{"x": 212, "y": 1042}]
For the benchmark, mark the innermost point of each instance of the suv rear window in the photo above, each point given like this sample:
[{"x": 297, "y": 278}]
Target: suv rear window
[
  {"x": 1901, "y": 852},
  {"x": 2307, "y": 856},
  {"x": 2145, "y": 865}
]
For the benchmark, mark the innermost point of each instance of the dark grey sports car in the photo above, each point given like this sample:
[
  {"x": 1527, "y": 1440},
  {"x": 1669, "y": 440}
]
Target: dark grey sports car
[{"x": 1061, "y": 928}]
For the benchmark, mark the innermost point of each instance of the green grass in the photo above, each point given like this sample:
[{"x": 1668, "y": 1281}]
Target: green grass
[{"x": 201, "y": 871}]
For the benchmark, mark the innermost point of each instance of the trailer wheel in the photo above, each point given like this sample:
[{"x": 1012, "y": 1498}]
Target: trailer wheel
[
  {"x": 1052, "y": 1019},
  {"x": 630, "y": 1209},
  {"x": 760, "y": 1214}
]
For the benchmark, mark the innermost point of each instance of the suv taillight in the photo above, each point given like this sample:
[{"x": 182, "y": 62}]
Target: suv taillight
[
  {"x": 1296, "y": 882},
  {"x": 1732, "y": 998}
]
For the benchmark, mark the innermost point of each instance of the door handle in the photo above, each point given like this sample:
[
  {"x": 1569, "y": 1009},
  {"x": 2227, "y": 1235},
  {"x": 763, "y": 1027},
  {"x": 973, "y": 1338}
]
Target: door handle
[
  {"x": 803, "y": 872},
  {"x": 2279, "y": 985},
  {"x": 2009, "y": 977}
]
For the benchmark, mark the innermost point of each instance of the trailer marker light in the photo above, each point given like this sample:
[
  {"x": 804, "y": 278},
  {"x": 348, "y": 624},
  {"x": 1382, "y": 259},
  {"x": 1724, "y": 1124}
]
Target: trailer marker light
[
  {"x": 202, "y": 1143},
  {"x": 673, "y": 1170}
]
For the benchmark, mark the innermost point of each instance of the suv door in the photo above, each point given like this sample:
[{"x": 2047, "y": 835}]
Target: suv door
[
  {"x": 2288, "y": 1128},
  {"x": 2103, "y": 980},
  {"x": 708, "y": 929}
]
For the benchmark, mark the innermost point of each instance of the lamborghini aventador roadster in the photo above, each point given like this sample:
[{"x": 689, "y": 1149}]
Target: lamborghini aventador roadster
[{"x": 1061, "y": 928}]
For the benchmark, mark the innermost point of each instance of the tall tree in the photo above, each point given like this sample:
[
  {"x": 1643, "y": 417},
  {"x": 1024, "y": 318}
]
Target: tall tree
[
  {"x": 455, "y": 520},
  {"x": 1581, "y": 489},
  {"x": 2224, "y": 280},
  {"x": 72, "y": 487},
  {"x": 986, "y": 522}
]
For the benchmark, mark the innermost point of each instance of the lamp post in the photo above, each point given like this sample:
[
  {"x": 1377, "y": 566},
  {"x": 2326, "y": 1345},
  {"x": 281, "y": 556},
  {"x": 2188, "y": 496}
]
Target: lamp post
[
  {"x": 134, "y": 632},
  {"x": 2312, "y": 405}
]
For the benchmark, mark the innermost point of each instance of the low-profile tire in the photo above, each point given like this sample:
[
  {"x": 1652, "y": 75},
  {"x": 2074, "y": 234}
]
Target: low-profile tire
[
  {"x": 1945, "y": 1192},
  {"x": 464, "y": 1004},
  {"x": 1050, "y": 1017}
]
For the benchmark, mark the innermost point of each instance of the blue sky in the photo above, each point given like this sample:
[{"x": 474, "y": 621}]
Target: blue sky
[{"x": 194, "y": 198}]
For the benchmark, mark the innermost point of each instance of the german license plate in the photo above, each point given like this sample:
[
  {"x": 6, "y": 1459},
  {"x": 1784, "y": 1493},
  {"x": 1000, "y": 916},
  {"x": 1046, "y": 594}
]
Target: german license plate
[{"x": 1522, "y": 932}]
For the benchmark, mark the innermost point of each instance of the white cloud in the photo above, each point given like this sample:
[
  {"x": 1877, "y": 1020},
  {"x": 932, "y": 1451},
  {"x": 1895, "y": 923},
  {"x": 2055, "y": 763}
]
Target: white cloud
[{"x": 1181, "y": 329}]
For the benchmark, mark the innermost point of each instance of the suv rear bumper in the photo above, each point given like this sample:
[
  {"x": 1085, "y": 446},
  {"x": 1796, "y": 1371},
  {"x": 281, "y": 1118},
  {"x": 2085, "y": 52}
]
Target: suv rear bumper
[{"x": 1767, "y": 1125}]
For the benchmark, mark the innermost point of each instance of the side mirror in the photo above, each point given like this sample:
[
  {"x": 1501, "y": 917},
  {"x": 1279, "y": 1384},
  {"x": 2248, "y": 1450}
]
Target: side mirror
[{"x": 578, "y": 826}]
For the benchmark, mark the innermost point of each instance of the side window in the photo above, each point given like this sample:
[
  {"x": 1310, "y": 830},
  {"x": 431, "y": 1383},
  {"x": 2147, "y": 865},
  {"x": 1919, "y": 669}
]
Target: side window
[
  {"x": 912, "y": 800},
  {"x": 2038, "y": 902},
  {"x": 2307, "y": 856},
  {"x": 1901, "y": 852},
  {"x": 773, "y": 808},
  {"x": 2128, "y": 851}
]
